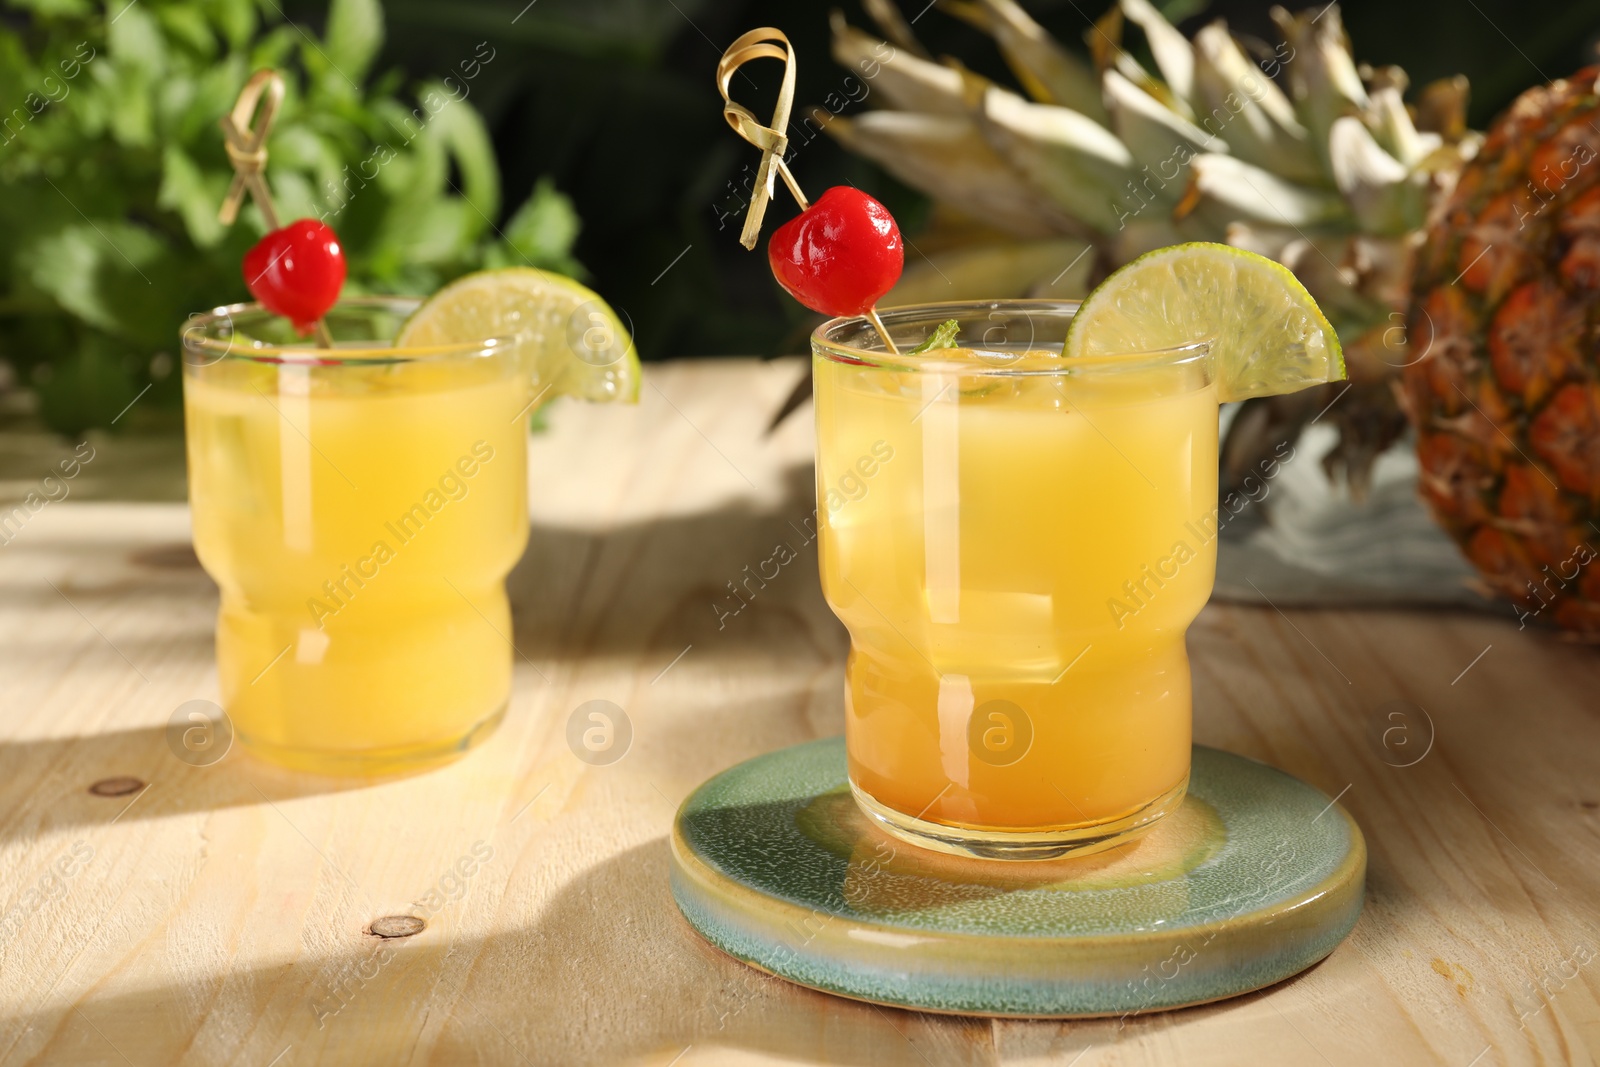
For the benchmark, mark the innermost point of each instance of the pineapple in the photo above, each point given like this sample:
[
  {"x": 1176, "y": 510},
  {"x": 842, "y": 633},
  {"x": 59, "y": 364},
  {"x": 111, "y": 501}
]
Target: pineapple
[
  {"x": 1099, "y": 160},
  {"x": 1504, "y": 387}
]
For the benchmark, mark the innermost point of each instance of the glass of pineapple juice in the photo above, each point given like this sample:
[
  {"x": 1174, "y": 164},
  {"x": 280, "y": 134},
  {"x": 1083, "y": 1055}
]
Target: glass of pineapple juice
[
  {"x": 359, "y": 508},
  {"x": 1016, "y": 543}
]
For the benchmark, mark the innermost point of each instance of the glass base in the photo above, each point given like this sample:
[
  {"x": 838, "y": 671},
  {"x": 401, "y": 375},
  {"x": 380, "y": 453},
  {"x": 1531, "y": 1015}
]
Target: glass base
[
  {"x": 377, "y": 762},
  {"x": 1020, "y": 845}
]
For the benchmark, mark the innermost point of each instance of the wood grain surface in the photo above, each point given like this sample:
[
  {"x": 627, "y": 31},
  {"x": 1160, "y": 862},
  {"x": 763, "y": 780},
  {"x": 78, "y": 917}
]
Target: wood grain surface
[{"x": 222, "y": 913}]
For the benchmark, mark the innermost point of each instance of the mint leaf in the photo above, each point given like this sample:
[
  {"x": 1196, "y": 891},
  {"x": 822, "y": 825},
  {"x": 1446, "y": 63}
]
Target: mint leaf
[
  {"x": 463, "y": 135},
  {"x": 355, "y": 33},
  {"x": 87, "y": 267},
  {"x": 134, "y": 40},
  {"x": 235, "y": 18},
  {"x": 188, "y": 25},
  {"x": 540, "y": 234},
  {"x": 944, "y": 336},
  {"x": 188, "y": 191},
  {"x": 55, "y": 7}
]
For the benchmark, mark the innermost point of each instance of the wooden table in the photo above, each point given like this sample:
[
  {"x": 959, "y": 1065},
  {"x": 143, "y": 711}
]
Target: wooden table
[{"x": 220, "y": 914}]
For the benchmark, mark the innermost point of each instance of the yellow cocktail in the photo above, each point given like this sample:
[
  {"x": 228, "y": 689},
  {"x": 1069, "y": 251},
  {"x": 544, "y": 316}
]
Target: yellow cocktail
[
  {"x": 359, "y": 509},
  {"x": 1017, "y": 543}
]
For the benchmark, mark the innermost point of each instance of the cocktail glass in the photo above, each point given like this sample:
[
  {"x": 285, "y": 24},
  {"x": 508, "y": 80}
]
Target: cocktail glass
[
  {"x": 359, "y": 508},
  {"x": 1016, "y": 544}
]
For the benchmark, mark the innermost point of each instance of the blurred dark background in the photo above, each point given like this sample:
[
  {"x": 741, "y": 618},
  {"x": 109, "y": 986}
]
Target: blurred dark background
[{"x": 615, "y": 100}]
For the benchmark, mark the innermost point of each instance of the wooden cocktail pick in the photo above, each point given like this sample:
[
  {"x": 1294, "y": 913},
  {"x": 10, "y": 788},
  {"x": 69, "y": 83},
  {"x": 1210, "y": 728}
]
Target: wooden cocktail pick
[
  {"x": 259, "y": 100},
  {"x": 247, "y": 145},
  {"x": 772, "y": 140},
  {"x": 771, "y": 43}
]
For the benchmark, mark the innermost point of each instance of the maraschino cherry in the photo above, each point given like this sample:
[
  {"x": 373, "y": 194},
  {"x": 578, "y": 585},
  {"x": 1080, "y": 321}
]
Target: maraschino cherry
[
  {"x": 844, "y": 251},
  {"x": 297, "y": 272},
  {"x": 840, "y": 255}
]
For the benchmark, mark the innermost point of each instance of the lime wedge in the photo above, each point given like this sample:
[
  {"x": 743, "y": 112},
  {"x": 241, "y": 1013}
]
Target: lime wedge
[
  {"x": 1267, "y": 335},
  {"x": 580, "y": 347}
]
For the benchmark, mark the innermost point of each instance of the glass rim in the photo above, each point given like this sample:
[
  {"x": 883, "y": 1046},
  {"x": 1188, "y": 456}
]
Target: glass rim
[
  {"x": 824, "y": 345},
  {"x": 201, "y": 335}
]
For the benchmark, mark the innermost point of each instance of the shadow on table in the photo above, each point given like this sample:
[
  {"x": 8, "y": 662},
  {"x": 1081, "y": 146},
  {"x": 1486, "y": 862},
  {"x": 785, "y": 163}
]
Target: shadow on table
[
  {"x": 642, "y": 591},
  {"x": 608, "y": 974},
  {"x": 655, "y": 585}
]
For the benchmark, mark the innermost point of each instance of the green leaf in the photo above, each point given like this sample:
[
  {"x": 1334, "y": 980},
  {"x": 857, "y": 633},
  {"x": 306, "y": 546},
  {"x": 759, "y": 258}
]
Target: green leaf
[
  {"x": 438, "y": 232},
  {"x": 134, "y": 147},
  {"x": 88, "y": 388},
  {"x": 541, "y": 233},
  {"x": 96, "y": 271},
  {"x": 301, "y": 148},
  {"x": 294, "y": 197},
  {"x": 1175, "y": 11},
  {"x": 235, "y": 18},
  {"x": 943, "y": 336},
  {"x": 215, "y": 88},
  {"x": 355, "y": 33},
  {"x": 63, "y": 265},
  {"x": 428, "y": 161},
  {"x": 57, "y": 8},
  {"x": 273, "y": 49},
  {"x": 130, "y": 106},
  {"x": 192, "y": 194},
  {"x": 461, "y": 132},
  {"x": 134, "y": 40},
  {"x": 188, "y": 25},
  {"x": 175, "y": 99},
  {"x": 15, "y": 72}
]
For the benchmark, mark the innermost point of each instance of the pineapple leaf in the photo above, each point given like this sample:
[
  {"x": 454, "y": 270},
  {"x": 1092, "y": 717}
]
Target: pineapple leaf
[
  {"x": 1323, "y": 77},
  {"x": 1224, "y": 189},
  {"x": 1077, "y": 163},
  {"x": 1442, "y": 108},
  {"x": 1104, "y": 39},
  {"x": 905, "y": 81},
  {"x": 1159, "y": 139},
  {"x": 1394, "y": 130},
  {"x": 1248, "y": 110},
  {"x": 948, "y": 157},
  {"x": 985, "y": 269},
  {"x": 1381, "y": 193},
  {"x": 894, "y": 26},
  {"x": 1174, "y": 55},
  {"x": 1048, "y": 72}
]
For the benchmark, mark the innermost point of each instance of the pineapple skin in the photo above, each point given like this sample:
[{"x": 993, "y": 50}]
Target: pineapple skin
[{"x": 1504, "y": 383}]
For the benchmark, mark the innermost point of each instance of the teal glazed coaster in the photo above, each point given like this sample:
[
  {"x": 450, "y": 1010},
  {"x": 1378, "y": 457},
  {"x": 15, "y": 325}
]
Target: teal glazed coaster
[{"x": 1255, "y": 878}]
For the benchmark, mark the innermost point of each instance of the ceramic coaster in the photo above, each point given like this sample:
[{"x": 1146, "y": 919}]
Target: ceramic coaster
[{"x": 1255, "y": 878}]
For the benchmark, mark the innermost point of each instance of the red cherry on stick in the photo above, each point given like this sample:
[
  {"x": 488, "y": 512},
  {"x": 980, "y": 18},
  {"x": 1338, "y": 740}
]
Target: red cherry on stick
[
  {"x": 297, "y": 272},
  {"x": 840, "y": 255}
]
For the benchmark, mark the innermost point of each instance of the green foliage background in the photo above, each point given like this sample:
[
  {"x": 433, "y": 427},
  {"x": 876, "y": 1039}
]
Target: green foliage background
[{"x": 113, "y": 168}]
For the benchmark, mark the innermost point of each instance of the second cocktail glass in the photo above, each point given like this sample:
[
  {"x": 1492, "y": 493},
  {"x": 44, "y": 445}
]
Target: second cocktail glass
[{"x": 1017, "y": 544}]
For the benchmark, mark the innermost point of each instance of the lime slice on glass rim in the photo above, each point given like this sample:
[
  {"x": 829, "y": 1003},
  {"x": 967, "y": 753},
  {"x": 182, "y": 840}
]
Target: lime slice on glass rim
[
  {"x": 580, "y": 347},
  {"x": 1267, "y": 334}
]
